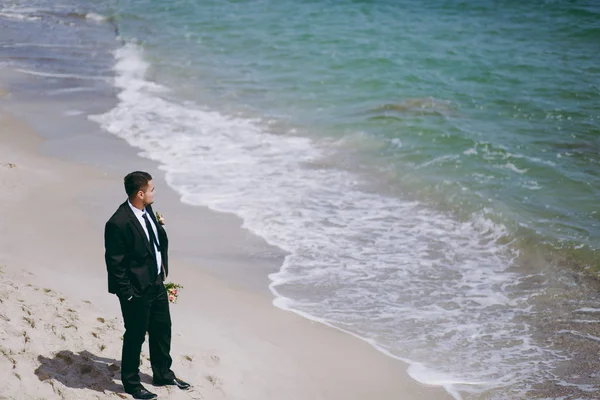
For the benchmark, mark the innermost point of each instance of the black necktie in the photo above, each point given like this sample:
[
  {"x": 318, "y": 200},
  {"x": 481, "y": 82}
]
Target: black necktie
[{"x": 151, "y": 233}]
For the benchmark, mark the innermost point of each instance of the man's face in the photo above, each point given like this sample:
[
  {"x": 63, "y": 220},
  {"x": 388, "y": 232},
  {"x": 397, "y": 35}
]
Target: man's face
[{"x": 148, "y": 195}]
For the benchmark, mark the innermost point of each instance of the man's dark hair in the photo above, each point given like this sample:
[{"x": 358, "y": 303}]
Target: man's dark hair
[{"x": 136, "y": 181}]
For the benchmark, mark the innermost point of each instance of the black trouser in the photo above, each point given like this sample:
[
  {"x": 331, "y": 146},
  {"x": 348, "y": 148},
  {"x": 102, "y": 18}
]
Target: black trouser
[{"x": 148, "y": 313}]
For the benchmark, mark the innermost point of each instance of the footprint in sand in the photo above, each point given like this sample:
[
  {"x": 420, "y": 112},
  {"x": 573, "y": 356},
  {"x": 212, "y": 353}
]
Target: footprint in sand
[
  {"x": 215, "y": 381},
  {"x": 212, "y": 360}
]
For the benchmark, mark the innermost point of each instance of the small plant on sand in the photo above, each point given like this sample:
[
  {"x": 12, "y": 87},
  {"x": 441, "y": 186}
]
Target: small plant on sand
[{"x": 100, "y": 319}]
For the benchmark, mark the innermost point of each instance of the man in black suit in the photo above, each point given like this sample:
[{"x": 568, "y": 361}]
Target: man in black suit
[{"x": 137, "y": 262}]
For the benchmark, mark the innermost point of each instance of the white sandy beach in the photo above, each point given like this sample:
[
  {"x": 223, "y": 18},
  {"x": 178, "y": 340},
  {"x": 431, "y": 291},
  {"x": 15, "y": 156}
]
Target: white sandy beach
[{"x": 60, "y": 335}]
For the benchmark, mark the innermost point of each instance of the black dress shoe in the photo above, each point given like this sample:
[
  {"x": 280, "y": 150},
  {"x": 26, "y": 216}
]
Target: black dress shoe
[
  {"x": 172, "y": 382},
  {"x": 143, "y": 394}
]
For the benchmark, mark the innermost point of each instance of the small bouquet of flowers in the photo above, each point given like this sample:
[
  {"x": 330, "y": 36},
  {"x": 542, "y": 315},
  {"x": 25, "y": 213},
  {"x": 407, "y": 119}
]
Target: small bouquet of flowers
[{"x": 173, "y": 291}]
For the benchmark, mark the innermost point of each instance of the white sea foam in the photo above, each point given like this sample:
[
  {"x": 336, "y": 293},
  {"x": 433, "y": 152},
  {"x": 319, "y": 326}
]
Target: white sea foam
[
  {"x": 585, "y": 321},
  {"x": 413, "y": 282},
  {"x": 535, "y": 160},
  {"x": 514, "y": 168},
  {"x": 48, "y": 45},
  {"x": 72, "y": 113},
  {"x": 495, "y": 152},
  {"x": 19, "y": 16},
  {"x": 77, "y": 89},
  {"x": 583, "y": 388},
  {"x": 396, "y": 142},
  {"x": 579, "y": 334},
  {"x": 429, "y": 376},
  {"x": 438, "y": 160},
  {"x": 18, "y": 13},
  {"x": 95, "y": 17},
  {"x": 531, "y": 185},
  {"x": 588, "y": 310},
  {"x": 63, "y": 76}
]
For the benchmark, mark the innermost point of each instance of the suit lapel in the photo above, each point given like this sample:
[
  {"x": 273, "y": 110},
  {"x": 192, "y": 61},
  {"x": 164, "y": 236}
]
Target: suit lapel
[{"x": 137, "y": 224}]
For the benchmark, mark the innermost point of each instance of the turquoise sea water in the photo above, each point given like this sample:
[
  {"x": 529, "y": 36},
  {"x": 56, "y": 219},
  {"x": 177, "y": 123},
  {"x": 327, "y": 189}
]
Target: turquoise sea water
[
  {"x": 469, "y": 105},
  {"x": 432, "y": 168}
]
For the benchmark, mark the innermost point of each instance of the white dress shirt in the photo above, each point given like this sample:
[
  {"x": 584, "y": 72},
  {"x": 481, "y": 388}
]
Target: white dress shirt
[{"x": 139, "y": 214}]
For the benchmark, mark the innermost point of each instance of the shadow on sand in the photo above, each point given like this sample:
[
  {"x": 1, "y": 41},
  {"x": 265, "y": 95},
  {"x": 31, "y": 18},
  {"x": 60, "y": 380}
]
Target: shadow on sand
[{"x": 83, "y": 370}]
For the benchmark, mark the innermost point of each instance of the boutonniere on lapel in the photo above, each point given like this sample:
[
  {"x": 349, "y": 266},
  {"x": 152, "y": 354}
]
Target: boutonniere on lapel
[{"x": 160, "y": 218}]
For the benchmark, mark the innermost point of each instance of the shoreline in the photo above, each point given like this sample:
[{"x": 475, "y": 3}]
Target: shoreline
[
  {"x": 416, "y": 260},
  {"x": 264, "y": 352}
]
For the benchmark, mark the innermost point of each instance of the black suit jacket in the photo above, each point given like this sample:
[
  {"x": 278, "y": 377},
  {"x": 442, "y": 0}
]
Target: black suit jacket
[{"x": 129, "y": 259}]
